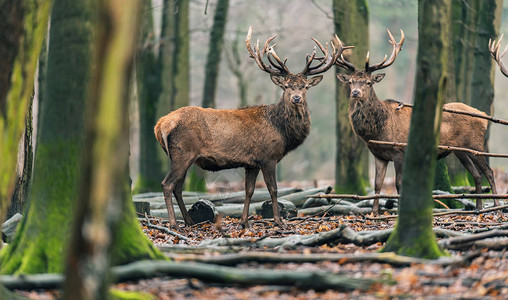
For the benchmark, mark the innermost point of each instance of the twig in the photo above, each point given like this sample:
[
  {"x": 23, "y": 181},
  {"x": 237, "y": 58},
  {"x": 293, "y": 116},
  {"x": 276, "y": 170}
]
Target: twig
[{"x": 166, "y": 230}]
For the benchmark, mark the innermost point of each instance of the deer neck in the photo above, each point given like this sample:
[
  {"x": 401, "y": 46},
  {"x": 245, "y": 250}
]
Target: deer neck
[
  {"x": 368, "y": 116},
  {"x": 292, "y": 121}
]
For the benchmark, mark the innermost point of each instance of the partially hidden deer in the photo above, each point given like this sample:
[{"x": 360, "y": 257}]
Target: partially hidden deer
[
  {"x": 389, "y": 120},
  {"x": 255, "y": 138}
]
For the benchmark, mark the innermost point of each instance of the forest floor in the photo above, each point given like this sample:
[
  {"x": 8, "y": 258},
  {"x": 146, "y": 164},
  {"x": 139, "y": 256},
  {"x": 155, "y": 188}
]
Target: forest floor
[
  {"x": 481, "y": 274},
  {"x": 485, "y": 276}
]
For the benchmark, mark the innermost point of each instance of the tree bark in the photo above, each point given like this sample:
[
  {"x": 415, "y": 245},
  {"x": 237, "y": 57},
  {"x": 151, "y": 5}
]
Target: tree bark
[
  {"x": 214, "y": 53},
  {"x": 351, "y": 19},
  {"x": 22, "y": 28},
  {"x": 38, "y": 246},
  {"x": 105, "y": 227},
  {"x": 148, "y": 83},
  {"x": 413, "y": 235}
]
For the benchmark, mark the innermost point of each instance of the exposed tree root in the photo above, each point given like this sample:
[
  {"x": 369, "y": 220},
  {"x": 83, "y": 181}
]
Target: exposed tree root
[
  {"x": 212, "y": 273},
  {"x": 267, "y": 257}
]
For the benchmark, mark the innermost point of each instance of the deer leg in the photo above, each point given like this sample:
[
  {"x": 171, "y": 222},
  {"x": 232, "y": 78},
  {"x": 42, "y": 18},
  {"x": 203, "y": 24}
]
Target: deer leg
[
  {"x": 482, "y": 164},
  {"x": 167, "y": 188},
  {"x": 271, "y": 183},
  {"x": 477, "y": 176},
  {"x": 177, "y": 192},
  {"x": 398, "y": 161},
  {"x": 378, "y": 182},
  {"x": 250, "y": 183},
  {"x": 170, "y": 182}
]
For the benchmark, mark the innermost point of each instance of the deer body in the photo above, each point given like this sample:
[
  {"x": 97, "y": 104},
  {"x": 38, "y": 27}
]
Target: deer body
[
  {"x": 234, "y": 138},
  {"x": 389, "y": 120},
  {"x": 255, "y": 138}
]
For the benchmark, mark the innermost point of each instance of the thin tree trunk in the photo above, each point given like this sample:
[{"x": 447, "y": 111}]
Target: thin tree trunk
[
  {"x": 214, "y": 53},
  {"x": 482, "y": 80},
  {"x": 148, "y": 82},
  {"x": 351, "y": 20},
  {"x": 413, "y": 235},
  {"x": 104, "y": 195}
]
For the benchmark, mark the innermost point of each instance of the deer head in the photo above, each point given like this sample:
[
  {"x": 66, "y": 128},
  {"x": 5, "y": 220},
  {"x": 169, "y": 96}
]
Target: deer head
[
  {"x": 294, "y": 86},
  {"x": 361, "y": 81},
  {"x": 496, "y": 55}
]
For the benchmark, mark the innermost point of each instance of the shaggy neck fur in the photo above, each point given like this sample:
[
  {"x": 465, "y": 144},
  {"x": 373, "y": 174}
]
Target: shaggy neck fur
[
  {"x": 368, "y": 116},
  {"x": 292, "y": 121}
]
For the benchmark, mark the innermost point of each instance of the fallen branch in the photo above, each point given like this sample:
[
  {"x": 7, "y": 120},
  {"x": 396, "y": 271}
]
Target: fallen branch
[
  {"x": 266, "y": 257},
  {"x": 467, "y": 240},
  {"x": 442, "y": 147},
  {"x": 318, "y": 280},
  {"x": 463, "y": 112},
  {"x": 168, "y": 231},
  {"x": 451, "y": 212}
]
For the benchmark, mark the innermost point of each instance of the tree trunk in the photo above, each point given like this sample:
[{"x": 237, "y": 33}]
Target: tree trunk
[
  {"x": 482, "y": 80},
  {"x": 38, "y": 246},
  {"x": 214, "y": 53},
  {"x": 148, "y": 81},
  {"x": 413, "y": 235},
  {"x": 105, "y": 205},
  {"x": 22, "y": 28},
  {"x": 351, "y": 20}
]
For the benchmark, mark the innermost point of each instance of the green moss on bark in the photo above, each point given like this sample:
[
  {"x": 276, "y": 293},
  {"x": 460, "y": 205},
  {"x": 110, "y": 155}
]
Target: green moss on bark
[{"x": 351, "y": 19}]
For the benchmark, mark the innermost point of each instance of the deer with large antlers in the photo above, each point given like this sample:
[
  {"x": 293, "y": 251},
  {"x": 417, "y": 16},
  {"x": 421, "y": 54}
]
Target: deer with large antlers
[
  {"x": 255, "y": 138},
  {"x": 389, "y": 120}
]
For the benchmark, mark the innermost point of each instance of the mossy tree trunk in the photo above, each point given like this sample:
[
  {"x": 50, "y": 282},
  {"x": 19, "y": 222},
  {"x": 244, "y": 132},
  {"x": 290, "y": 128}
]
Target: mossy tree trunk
[
  {"x": 482, "y": 80},
  {"x": 105, "y": 219},
  {"x": 39, "y": 244},
  {"x": 148, "y": 82},
  {"x": 473, "y": 23},
  {"x": 22, "y": 28},
  {"x": 462, "y": 35},
  {"x": 351, "y": 19},
  {"x": 413, "y": 235}
]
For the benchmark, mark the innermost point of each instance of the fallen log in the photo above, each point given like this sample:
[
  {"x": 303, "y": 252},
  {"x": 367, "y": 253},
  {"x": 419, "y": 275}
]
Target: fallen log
[
  {"x": 318, "y": 280},
  {"x": 334, "y": 210},
  {"x": 267, "y": 257},
  {"x": 468, "y": 240},
  {"x": 202, "y": 211}
]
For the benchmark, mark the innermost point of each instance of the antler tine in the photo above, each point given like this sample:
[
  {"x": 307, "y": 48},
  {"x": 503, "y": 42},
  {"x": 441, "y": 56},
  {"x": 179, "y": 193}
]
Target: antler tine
[
  {"x": 329, "y": 59},
  {"x": 494, "y": 48},
  {"x": 310, "y": 58},
  {"x": 282, "y": 65},
  {"x": 396, "y": 49},
  {"x": 258, "y": 56},
  {"x": 341, "y": 61}
]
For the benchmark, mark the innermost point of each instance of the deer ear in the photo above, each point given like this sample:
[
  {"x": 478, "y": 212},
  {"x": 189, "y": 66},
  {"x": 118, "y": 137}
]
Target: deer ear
[
  {"x": 378, "y": 77},
  {"x": 278, "y": 80},
  {"x": 343, "y": 77},
  {"x": 315, "y": 80}
]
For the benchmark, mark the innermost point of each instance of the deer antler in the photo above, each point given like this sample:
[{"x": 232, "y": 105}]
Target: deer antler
[
  {"x": 384, "y": 63},
  {"x": 494, "y": 52},
  {"x": 341, "y": 61},
  {"x": 277, "y": 68},
  {"x": 328, "y": 60}
]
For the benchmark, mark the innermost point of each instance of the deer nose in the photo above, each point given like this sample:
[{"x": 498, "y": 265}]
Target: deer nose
[
  {"x": 297, "y": 99},
  {"x": 355, "y": 93}
]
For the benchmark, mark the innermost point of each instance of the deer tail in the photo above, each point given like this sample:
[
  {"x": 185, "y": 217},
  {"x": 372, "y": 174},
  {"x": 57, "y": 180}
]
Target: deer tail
[{"x": 162, "y": 137}]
